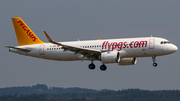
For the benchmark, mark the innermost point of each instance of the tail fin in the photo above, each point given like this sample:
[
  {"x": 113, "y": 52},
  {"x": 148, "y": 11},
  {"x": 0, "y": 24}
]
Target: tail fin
[{"x": 24, "y": 34}]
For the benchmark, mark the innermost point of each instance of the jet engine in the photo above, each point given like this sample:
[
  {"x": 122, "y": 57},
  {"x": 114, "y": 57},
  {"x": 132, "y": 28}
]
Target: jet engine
[
  {"x": 128, "y": 61},
  {"x": 110, "y": 57}
]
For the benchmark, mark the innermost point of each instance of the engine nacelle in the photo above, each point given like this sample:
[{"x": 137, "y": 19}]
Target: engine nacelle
[
  {"x": 110, "y": 57},
  {"x": 128, "y": 61}
]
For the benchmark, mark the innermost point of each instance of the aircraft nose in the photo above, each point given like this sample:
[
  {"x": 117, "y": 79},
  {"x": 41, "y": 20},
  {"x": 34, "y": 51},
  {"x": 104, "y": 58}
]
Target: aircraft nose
[{"x": 174, "y": 48}]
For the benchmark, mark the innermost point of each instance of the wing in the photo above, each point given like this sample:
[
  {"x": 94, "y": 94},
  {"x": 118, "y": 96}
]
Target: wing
[{"x": 87, "y": 52}]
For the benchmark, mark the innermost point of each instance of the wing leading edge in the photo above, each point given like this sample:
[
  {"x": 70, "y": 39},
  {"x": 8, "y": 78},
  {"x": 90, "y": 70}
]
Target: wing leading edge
[{"x": 87, "y": 52}]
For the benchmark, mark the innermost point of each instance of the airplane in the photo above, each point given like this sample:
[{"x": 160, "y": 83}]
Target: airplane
[{"x": 124, "y": 51}]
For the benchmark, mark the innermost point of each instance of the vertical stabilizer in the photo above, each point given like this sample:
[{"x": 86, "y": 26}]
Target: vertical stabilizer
[{"x": 24, "y": 34}]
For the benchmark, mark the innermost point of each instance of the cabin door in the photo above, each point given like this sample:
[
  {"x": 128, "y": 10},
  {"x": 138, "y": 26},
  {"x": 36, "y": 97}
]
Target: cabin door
[
  {"x": 41, "y": 49},
  {"x": 151, "y": 43}
]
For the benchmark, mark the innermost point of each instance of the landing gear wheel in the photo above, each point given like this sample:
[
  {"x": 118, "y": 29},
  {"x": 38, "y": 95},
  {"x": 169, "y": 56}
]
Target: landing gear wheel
[
  {"x": 92, "y": 66},
  {"x": 103, "y": 67},
  {"x": 154, "y": 61},
  {"x": 154, "y": 64}
]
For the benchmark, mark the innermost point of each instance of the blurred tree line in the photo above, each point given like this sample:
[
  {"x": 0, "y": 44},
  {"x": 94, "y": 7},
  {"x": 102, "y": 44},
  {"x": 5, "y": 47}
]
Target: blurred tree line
[
  {"x": 123, "y": 95},
  {"x": 41, "y": 92}
]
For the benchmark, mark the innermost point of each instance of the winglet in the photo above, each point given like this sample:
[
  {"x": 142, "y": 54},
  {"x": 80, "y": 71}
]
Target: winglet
[
  {"x": 48, "y": 37},
  {"x": 50, "y": 40}
]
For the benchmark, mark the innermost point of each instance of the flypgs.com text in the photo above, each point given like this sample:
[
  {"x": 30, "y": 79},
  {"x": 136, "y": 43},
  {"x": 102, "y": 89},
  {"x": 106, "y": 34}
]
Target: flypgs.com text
[{"x": 113, "y": 45}]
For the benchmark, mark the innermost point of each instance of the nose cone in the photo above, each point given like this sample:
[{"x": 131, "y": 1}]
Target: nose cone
[{"x": 174, "y": 48}]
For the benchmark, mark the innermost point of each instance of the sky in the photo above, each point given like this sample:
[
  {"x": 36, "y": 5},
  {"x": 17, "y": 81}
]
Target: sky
[{"x": 67, "y": 20}]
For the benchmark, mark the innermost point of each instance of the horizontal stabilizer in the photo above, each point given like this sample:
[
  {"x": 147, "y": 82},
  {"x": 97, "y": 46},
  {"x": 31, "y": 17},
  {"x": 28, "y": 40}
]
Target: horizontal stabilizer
[{"x": 21, "y": 49}]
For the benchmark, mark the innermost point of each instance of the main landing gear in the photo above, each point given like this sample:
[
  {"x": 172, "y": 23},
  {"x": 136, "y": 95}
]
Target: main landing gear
[
  {"x": 154, "y": 61},
  {"x": 102, "y": 67},
  {"x": 92, "y": 66}
]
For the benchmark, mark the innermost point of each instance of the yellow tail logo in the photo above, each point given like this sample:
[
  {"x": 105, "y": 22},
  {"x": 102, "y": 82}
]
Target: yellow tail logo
[{"x": 25, "y": 35}]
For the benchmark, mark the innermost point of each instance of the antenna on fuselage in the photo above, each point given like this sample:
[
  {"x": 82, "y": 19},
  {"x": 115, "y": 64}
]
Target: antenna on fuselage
[{"x": 151, "y": 36}]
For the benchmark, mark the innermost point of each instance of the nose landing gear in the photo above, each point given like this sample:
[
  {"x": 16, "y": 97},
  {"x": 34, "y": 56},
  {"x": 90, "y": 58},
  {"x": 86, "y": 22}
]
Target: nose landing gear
[
  {"x": 154, "y": 61},
  {"x": 154, "y": 64}
]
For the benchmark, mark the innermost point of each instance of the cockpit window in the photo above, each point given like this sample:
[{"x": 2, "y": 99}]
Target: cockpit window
[{"x": 165, "y": 42}]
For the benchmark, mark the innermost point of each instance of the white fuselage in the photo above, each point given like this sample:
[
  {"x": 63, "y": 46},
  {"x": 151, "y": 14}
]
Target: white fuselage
[
  {"x": 122, "y": 51},
  {"x": 128, "y": 47}
]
